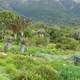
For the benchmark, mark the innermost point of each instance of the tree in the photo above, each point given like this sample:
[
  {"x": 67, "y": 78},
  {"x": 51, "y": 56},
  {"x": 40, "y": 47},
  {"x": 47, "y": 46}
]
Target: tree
[{"x": 14, "y": 23}]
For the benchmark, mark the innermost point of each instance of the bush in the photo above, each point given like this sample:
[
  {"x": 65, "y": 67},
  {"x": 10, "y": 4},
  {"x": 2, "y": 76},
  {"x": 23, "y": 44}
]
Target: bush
[
  {"x": 47, "y": 73},
  {"x": 67, "y": 43}
]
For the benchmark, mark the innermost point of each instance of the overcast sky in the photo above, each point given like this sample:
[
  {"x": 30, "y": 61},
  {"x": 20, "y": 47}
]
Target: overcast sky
[{"x": 77, "y": 0}]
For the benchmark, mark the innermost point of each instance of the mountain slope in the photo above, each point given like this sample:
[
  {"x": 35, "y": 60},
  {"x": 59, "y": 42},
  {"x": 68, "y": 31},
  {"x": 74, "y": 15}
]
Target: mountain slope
[{"x": 52, "y": 11}]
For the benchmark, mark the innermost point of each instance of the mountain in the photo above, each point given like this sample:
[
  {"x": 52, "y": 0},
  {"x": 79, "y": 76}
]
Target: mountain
[{"x": 51, "y": 11}]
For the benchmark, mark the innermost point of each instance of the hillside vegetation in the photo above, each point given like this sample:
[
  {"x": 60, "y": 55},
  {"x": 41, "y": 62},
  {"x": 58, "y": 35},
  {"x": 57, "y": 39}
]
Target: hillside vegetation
[{"x": 37, "y": 51}]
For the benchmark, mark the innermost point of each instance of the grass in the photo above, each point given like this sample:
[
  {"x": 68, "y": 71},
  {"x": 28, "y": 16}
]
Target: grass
[
  {"x": 33, "y": 65},
  {"x": 25, "y": 67}
]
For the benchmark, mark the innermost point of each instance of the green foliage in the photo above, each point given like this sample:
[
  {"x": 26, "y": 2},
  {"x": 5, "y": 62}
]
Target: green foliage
[
  {"x": 70, "y": 73},
  {"x": 21, "y": 67},
  {"x": 6, "y": 17},
  {"x": 3, "y": 77},
  {"x": 48, "y": 54},
  {"x": 28, "y": 32},
  {"x": 67, "y": 43}
]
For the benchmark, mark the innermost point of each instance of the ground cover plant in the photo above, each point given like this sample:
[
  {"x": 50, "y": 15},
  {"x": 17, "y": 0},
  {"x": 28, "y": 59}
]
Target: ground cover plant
[{"x": 37, "y": 51}]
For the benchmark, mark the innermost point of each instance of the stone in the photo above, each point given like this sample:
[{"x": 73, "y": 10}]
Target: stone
[
  {"x": 77, "y": 59},
  {"x": 22, "y": 45},
  {"x": 22, "y": 48},
  {"x": 7, "y": 44}
]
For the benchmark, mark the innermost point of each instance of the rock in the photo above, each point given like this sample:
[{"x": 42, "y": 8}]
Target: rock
[
  {"x": 77, "y": 59},
  {"x": 22, "y": 48}
]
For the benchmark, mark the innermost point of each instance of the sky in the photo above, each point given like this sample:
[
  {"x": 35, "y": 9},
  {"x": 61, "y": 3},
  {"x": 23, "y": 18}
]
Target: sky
[
  {"x": 77, "y": 1},
  {"x": 58, "y": 0},
  {"x": 23, "y": 1}
]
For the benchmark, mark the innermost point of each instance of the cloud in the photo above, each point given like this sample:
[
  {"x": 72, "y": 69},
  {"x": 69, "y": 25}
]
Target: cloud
[
  {"x": 78, "y": 1},
  {"x": 23, "y": 1}
]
